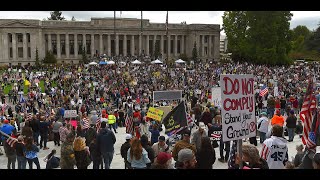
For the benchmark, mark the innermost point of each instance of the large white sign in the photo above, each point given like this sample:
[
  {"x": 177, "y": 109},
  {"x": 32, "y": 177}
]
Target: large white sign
[
  {"x": 216, "y": 96},
  {"x": 276, "y": 91},
  {"x": 237, "y": 107},
  {"x": 70, "y": 113}
]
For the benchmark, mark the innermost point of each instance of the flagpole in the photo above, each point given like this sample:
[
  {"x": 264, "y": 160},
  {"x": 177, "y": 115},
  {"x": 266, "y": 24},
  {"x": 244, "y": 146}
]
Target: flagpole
[
  {"x": 141, "y": 29},
  {"x": 114, "y": 30}
]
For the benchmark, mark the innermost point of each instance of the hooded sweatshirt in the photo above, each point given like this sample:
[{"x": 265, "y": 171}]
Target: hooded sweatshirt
[
  {"x": 277, "y": 120},
  {"x": 275, "y": 152}
]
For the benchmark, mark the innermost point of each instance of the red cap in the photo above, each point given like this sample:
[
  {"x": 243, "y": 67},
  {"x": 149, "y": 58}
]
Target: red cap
[
  {"x": 6, "y": 121},
  {"x": 163, "y": 157},
  {"x": 277, "y": 111}
]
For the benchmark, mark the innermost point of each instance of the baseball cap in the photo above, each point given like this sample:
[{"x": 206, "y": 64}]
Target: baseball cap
[
  {"x": 162, "y": 138},
  {"x": 128, "y": 136},
  {"x": 202, "y": 125},
  {"x": 185, "y": 155},
  {"x": 291, "y": 111},
  {"x": 6, "y": 121},
  {"x": 264, "y": 113},
  {"x": 163, "y": 157}
]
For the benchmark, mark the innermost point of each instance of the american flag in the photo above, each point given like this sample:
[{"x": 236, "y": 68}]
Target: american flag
[
  {"x": 98, "y": 124},
  {"x": 216, "y": 136},
  {"x": 263, "y": 91},
  {"x": 232, "y": 158},
  {"x": 308, "y": 107},
  {"x": 86, "y": 123},
  {"x": 11, "y": 141},
  {"x": 176, "y": 131},
  {"x": 129, "y": 124},
  {"x": 189, "y": 120}
]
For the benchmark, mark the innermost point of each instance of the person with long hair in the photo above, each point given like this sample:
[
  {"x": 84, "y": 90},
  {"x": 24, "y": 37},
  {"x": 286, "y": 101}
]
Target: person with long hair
[
  {"x": 137, "y": 155},
  {"x": 251, "y": 158},
  {"x": 81, "y": 153},
  {"x": 31, "y": 153},
  {"x": 206, "y": 156}
]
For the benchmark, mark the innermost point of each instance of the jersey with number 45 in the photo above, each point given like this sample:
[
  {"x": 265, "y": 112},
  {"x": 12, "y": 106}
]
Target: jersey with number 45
[{"x": 275, "y": 152}]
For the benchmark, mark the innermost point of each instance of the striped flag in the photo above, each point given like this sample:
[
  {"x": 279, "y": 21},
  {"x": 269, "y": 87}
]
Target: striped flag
[
  {"x": 11, "y": 141},
  {"x": 232, "y": 158},
  {"x": 86, "y": 123},
  {"x": 176, "y": 131},
  {"x": 98, "y": 124},
  {"x": 190, "y": 120},
  {"x": 263, "y": 91},
  {"x": 308, "y": 107},
  {"x": 129, "y": 125}
]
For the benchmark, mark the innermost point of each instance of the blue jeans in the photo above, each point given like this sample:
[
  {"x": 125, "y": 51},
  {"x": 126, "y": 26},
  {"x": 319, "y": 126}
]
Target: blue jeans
[
  {"x": 36, "y": 137},
  {"x": 107, "y": 158},
  {"x": 35, "y": 161},
  {"x": 291, "y": 133},
  {"x": 262, "y": 137},
  {"x": 22, "y": 162}
]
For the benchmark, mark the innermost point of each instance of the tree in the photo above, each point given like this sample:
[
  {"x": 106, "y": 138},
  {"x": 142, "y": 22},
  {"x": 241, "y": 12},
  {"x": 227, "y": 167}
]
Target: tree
[
  {"x": 184, "y": 57},
  {"x": 84, "y": 56},
  {"x": 73, "y": 19},
  {"x": 313, "y": 42},
  {"x": 156, "y": 52},
  {"x": 195, "y": 53},
  {"x": 49, "y": 58},
  {"x": 37, "y": 58},
  {"x": 301, "y": 31},
  {"x": 56, "y": 15}
]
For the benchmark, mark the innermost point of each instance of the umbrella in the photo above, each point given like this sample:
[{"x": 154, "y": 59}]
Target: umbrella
[
  {"x": 180, "y": 61},
  {"x": 111, "y": 62},
  {"x": 93, "y": 63},
  {"x": 136, "y": 62},
  {"x": 157, "y": 61},
  {"x": 102, "y": 62}
]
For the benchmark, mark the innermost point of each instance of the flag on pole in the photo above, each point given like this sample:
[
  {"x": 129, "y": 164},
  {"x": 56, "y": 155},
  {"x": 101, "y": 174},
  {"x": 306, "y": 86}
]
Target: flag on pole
[
  {"x": 129, "y": 124},
  {"x": 98, "y": 124},
  {"x": 306, "y": 115},
  {"x": 86, "y": 124},
  {"x": 263, "y": 90},
  {"x": 176, "y": 120},
  {"x": 167, "y": 24},
  {"x": 190, "y": 120}
]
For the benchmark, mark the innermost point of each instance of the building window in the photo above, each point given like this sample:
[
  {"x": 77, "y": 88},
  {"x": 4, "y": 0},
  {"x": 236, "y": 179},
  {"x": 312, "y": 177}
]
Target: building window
[
  {"x": 63, "y": 47},
  {"x": 206, "y": 50},
  {"x": 179, "y": 47},
  {"x": 171, "y": 46},
  {"x": 28, "y": 37},
  {"x": 20, "y": 52},
  {"x": 20, "y": 37},
  {"x": 29, "y": 52},
  {"x": 71, "y": 47},
  {"x": 80, "y": 48},
  {"x": 54, "y": 47},
  {"x": 10, "y": 38},
  {"x": 10, "y": 53},
  {"x": 165, "y": 47},
  {"x": 205, "y": 39}
]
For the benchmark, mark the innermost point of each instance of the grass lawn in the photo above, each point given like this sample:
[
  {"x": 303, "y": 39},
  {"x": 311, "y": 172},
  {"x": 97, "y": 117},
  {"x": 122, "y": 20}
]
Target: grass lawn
[
  {"x": 7, "y": 89},
  {"x": 41, "y": 84}
]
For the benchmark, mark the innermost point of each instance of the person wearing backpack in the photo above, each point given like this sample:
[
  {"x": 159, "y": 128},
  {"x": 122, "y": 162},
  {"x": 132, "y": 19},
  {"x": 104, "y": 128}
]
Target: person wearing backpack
[{"x": 263, "y": 124}]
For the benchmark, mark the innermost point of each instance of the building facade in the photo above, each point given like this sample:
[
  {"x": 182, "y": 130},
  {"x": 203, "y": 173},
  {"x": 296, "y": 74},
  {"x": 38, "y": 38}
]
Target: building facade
[
  {"x": 19, "y": 39},
  {"x": 223, "y": 44}
]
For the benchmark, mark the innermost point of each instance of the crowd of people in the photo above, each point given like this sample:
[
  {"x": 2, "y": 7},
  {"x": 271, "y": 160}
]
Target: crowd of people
[{"x": 106, "y": 96}]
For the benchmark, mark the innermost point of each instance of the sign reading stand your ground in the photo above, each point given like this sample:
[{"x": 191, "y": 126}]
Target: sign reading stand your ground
[
  {"x": 155, "y": 113},
  {"x": 238, "y": 107}
]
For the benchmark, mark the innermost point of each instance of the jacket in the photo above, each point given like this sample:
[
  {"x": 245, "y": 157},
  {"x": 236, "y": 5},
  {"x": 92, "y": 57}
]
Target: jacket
[
  {"x": 157, "y": 149},
  {"x": 67, "y": 160},
  {"x": 275, "y": 148},
  {"x": 124, "y": 150},
  {"x": 139, "y": 163},
  {"x": 277, "y": 120},
  {"x": 196, "y": 138},
  {"x": 181, "y": 145},
  {"x": 291, "y": 122},
  {"x": 206, "y": 118},
  {"x": 82, "y": 159},
  {"x": 263, "y": 124},
  {"x": 205, "y": 159},
  {"x": 105, "y": 141},
  {"x": 56, "y": 126},
  {"x": 111, "y": 119}
]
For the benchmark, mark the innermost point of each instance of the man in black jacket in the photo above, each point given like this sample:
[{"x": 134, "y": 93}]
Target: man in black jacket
[
  {"x": 105, "y": 142},
  {"x": 145, "y": 145},
  {"x": 291, "y": 125},
  {"x": 124, "y": 149}
]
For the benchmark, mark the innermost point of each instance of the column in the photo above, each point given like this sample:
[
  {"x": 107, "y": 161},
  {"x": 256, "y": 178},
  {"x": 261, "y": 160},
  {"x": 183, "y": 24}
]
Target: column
[
  {"x": 6, "y": 46},
  {"x": 216, "y": 45},
  {"x": 49, "y": 43},
  {"x": 109, "y": 45},
  {"x": 154, "y": 44},
  {"x": 58, "y": 47},
  {"x": 92, "y": 45},
  {"x": 100, "y": 44},
  {"x": 202, "y": 46},
  {"x": 1, "y": 44},
  {"x": 125, "y": 45},
  {"x": 182, "y": 44},
  {"x": 209, "y": 46},
  {"x": 117, "y": 45},
  {"x": 67, "y": 46},
  {"x": 175, "y": 50},
  {"x": 75, "y": 38},
  {"x": 132, "y": 45},
  {"x": 161, "y": 46},
  {"x": 140, "y": 44},
  {"x": 14, "y": 47},
  {"x": 25, "y": 49},
  {"x": 147, "y": 45},
  {"x": 169, "y": 46},
  {"x": 84, "y": 42}
]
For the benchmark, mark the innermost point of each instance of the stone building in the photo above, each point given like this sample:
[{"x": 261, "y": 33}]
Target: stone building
[{"x": 19, "y": 39}]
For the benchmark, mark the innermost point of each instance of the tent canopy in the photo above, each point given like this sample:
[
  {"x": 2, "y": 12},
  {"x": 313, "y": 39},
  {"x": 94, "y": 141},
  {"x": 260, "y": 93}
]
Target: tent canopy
[
  {"x": 180, "y": 61},
  {"x": 111, "y": 62},
  {"x": 157, "y": 61},
  {"x": 136, "y": 62},
  {"x": 93, "y": 63}
]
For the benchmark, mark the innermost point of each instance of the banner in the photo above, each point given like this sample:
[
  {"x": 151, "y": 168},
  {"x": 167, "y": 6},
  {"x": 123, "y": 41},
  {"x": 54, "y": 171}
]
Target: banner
[
  {"x": 176, "y": 119},
  {"x": 70, "y": 113},
  {"x": 275, "y": 91},
  {"x": 238, "y": 107},
  {"x": 167, "y": 95},
  {"x": 216, "y": 96},
  {"x": 155, "y": 113}
]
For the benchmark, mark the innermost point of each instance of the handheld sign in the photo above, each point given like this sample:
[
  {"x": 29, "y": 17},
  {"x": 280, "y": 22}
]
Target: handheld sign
[
  {"x": 155, "y": 113},
  {"x": 216, "y": 96},
  {"x": 70, "y": 113},
  {"x": 237, "y": 107}
]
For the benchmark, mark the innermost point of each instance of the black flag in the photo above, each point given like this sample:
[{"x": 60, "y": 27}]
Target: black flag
[{"x": 176, "y": 120}]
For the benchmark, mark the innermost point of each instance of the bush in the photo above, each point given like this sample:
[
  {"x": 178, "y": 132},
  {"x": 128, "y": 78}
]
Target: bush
[{"x": 49, "y": 58}]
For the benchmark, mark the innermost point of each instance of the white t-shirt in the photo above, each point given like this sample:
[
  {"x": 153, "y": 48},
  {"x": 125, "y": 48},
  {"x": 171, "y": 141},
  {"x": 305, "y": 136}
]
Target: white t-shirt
[
  {"x": 275, "y": 152},
  {"x": 264, "y": 124}
]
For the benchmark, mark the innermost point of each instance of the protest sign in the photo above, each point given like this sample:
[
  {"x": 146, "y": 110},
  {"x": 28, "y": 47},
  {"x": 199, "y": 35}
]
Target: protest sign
[
  {"x": 237, "y": 107},
  {"x": 70, "y": 113},
  {"x": 154, "y": 113},
  {"x": 216, "y": 96}
]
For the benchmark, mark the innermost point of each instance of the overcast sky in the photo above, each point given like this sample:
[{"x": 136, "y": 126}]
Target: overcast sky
[{"x": 311, "y": 19}]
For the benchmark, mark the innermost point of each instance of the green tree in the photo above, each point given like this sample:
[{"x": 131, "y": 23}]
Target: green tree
[
  {"x": 195, "y": 53},
  {"x": 313, "y": 42},
  {"x": 301, "y": 31},
  {"x": 84, "y": 56},
  {"x": 184, "y": 57},
  {"x": 37, "y": 58},
  {"x": 49, "y": 58},
  {"x": 156, "y": 52},
  {"x": 56, "y": 15}
]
